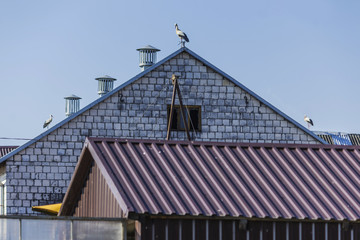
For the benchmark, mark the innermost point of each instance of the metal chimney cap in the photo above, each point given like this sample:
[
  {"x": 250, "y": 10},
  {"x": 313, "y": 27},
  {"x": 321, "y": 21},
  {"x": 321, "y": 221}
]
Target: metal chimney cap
[
  {"x": 72, "y": 96},
  {"x": 106, "y": 77},
  {"x": 148, "y": 47}
]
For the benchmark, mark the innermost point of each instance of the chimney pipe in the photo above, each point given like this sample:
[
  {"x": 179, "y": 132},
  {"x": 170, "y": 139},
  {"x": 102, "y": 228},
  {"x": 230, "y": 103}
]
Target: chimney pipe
[
  {"x": 72, "y": 104},
  {"x": 105, "y": 85},
  {"x": 147, "y": 56}
]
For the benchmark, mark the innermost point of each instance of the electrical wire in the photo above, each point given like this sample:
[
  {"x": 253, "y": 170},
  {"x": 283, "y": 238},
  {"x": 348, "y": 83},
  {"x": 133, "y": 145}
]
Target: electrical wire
[{"x": 9, "y": 138}]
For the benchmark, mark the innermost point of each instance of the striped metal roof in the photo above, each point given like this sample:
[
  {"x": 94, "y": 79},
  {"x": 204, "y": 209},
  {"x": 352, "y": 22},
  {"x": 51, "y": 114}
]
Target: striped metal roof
[
  {"x": 6, "y": 149},
  {"x": 231, "y": 179},
  {"x": 355, "y": 139},
  {"x": 327, "y": 138},
  {"x": 339, "y": 138}
]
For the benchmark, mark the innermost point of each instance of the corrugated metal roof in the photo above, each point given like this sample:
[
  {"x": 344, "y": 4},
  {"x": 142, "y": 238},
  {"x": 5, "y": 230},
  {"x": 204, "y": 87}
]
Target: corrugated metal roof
[
  {"x": 231, "y": 179},
  {"x": 146, "y": 71},
  {"x": 339, "y": 138},
  {"x": 355, "y": 139},
  {"x": 327, "y": 138},
  {"x": 6, "y": 149}
]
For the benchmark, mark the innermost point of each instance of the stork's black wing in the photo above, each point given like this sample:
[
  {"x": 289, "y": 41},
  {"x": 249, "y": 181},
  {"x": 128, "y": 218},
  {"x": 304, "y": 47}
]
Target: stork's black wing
[{"x": 186, "y": 38}]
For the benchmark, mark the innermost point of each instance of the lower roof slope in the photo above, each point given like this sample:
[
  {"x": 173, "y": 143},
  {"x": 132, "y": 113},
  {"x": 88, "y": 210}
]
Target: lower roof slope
[{"x": 230, "y": 179}]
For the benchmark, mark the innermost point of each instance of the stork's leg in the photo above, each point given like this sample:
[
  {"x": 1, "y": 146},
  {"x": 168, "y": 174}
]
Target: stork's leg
[{"x": 182, "y": 43}]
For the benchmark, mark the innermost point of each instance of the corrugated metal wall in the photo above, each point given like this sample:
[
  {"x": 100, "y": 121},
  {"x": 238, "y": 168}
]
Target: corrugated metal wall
[
  {"x": 173, "y": 229},
  {"x": 96, "y": 199}
]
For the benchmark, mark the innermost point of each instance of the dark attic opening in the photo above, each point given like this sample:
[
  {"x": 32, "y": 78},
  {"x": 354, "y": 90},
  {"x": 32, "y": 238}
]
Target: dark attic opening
[{"x": 192, "y": 118}]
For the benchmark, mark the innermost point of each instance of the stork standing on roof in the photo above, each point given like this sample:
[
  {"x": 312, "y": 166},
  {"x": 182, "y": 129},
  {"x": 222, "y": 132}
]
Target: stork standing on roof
[
  {"x": 47, "y": 122},
  {"x": 309, "y": 121},
  {"x": 181, "y": 35}
]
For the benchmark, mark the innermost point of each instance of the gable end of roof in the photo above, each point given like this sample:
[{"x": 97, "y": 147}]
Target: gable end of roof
[{"x": 138, "y": 76}]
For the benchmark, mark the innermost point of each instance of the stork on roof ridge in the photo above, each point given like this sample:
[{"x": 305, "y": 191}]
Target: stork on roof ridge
[
  {"x": 309, "y": 121},
  {"x": 48, "y": 121},
  {"x": 181, "y": 35}
]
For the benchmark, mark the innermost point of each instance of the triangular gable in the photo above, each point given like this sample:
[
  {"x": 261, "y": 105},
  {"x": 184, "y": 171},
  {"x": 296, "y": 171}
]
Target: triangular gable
[
  {"x": 138, "y": 76},
  {"x": 97, "y": 199},
  {"x": 91, "y": 191}
]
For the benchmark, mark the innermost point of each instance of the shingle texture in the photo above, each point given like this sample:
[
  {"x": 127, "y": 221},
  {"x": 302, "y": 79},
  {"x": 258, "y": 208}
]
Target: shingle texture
[
  {"x": 232, "y": 179},
  {"x": 42, "y": 171}
]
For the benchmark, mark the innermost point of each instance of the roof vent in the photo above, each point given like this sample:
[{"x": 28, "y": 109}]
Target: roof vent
[
  {"x": 147, "y": 56},
  {"x": 106, "y": 84},
  {"x": 72, "y": 104}
]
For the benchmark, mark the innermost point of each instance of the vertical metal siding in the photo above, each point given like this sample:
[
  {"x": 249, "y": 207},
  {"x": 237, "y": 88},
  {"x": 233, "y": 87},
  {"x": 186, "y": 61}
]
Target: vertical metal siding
[
  {"x": 97, "y": 199},
  {"x": 256, "y": 230}
]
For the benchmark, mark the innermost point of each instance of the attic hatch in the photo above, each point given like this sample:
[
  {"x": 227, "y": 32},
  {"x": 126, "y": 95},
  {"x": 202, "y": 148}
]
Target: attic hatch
[{"x": 192, "y": 118}]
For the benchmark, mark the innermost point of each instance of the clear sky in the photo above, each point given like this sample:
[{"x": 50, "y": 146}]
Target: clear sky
[{"x": 301, "y": 56}]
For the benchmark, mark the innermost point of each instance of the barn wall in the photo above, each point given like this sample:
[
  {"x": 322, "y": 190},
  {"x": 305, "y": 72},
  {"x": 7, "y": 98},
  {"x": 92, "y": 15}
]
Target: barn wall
[
  {"x": 96, "y": 199},
  {"x": 231, "y": 230},
  {"x": 40, "y": 174}
]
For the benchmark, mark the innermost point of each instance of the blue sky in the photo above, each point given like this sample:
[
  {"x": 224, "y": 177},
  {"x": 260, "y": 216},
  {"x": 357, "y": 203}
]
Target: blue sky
[{"x": 301, "y": 56}]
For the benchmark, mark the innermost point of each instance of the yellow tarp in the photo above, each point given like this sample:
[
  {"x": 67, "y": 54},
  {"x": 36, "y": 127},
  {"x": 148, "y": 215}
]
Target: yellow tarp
[{"x": 52, "y": 209}]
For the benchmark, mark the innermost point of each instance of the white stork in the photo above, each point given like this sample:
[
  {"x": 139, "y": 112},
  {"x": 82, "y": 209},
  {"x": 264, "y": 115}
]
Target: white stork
[
  {"x": 47, "y": 122},
  {"x": 181, "y": 35},
  {"x": 309, "y": 121}
]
